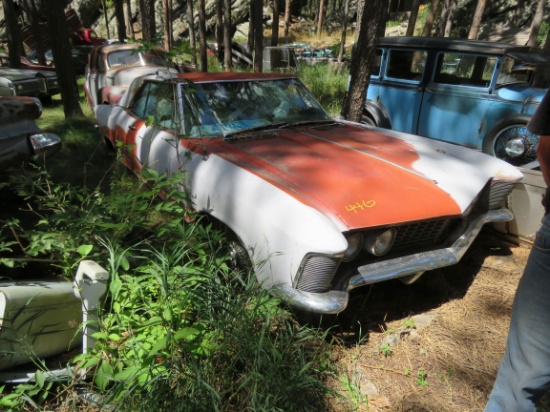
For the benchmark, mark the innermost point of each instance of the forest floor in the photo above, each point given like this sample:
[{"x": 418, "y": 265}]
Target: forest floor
[{"x": 434, "y": 345}]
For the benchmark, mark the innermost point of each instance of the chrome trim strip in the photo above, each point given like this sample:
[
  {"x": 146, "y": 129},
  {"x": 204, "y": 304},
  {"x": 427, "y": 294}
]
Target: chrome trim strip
[{"x": 336, "y": 301}]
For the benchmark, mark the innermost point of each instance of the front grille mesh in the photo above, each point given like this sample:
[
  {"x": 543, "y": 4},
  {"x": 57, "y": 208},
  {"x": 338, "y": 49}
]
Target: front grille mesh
[
  {"x": 499, "y": 191},
  {"x": 316, "y": 273},
  {"x": 419, "y": 235}
]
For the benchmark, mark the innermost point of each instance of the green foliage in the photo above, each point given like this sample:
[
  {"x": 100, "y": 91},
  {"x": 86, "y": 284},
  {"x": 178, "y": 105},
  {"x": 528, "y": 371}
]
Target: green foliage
[
  {"x": 385, "y": 350},
  {"x": 180, "y": 327},
  {"x": 421, "y": 378},
  {"x": 328, "y": 86}
]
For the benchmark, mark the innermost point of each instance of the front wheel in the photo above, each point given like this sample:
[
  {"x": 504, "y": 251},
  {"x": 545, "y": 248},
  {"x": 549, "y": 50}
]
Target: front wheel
[{"x": 510, "y": 140}]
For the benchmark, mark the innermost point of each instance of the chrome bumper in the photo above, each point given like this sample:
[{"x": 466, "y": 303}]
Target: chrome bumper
[{"x": 336, "y": 301}]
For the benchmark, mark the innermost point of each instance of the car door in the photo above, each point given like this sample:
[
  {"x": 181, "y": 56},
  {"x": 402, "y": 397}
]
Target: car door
[
  {"x": 400, "y": 90},
  {"x": 455, "y": 100}
]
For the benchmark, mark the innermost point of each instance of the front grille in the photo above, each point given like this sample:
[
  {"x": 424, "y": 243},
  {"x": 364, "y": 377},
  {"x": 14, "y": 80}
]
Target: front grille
[
  {"x": 499, "y": 191},
  {"x": 316, "y": 273},
  {"x": 26, "y": 87},
  {"x": 420, "y": 235},
  {"x": 52, "y": 84}
]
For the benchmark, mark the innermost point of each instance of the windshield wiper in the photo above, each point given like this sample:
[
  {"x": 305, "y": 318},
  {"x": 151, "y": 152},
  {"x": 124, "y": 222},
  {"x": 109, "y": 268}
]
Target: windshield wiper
[{"x": 276, "y": 126}]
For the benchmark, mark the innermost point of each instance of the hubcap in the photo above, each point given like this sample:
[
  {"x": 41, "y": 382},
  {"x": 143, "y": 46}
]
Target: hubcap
[{"x": 515, "y": 147}]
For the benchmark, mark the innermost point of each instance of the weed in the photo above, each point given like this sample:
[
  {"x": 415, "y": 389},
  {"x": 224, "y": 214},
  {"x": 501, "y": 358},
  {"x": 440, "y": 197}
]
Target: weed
[
  {"x": 409, "y": 323},
  {"x": 421, "y": 378},
  {"x": 351, "y": 386},
  {"x": 385, "y": 350}
]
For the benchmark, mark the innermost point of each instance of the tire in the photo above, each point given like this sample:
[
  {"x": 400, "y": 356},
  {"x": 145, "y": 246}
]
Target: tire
[
  {"x": 510, "y": 140},
  {"x": 367, "y": 119},
  {"x": 375, "y": 118}
]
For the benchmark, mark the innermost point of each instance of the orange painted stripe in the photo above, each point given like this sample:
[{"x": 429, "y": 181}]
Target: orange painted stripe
[{"x": 351, "y": 185}]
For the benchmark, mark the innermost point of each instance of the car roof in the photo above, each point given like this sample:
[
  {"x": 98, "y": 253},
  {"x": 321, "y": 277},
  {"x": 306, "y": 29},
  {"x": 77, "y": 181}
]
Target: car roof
[
  {"x": 108, "y": 48},
  {"x": 462, "y": 45},
  {"x": 200, "y": 77}
]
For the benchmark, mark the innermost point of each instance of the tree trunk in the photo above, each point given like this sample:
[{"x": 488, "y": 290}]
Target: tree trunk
[
  {"x": 147, "y": 12},
  {"x": 321, "y": 19},
  {"x": 227, "y": 35},
  {"x": 13, "y": 34},
  {"x": 202, "y": 37},
  {"x": 287, "y": 18},
  {"x": 104, "y": 5},
  {"x": 431, "y": 18},
  {"x": 361, "y": 61},
  {"x": 476, "y": 21},
  {"x": 168, "y": 36},
  {"x": 412, "y": 19},
  {"x": 535, "y": 26},
  {"x": 120, "y": 23},
  {"x": 450, "y": 16},
  {"x": 191, "y": 24},
  {"x": 519, "y": 10},
  {"x": 131, "y": 32},
  {"x": 360, "y": 10},
  {"x": 258, "y": 35},
  {"x": 32, "y": 16},
  {"x": 344, "y": 32},
  {"x": 275, "y": 24},
  {"x": 219, "y": 30},
  {"x": 61, "y": 51}
]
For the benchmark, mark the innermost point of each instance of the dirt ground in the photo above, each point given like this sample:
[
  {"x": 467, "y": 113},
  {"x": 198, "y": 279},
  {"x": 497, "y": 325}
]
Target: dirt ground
[{"x": 434, "y": 345}]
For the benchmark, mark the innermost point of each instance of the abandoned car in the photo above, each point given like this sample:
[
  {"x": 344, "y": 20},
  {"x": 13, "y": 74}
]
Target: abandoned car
[
  {"x": 473, "y": 93},
  {"x": 20, "y": 138},
  {"x": 111, "y": 69},
  {"x": 321, "y": 206},
  {"x": 27, "y": 81}
]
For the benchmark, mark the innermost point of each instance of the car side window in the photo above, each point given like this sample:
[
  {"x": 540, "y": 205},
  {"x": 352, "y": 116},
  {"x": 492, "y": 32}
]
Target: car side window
[
  {"x": 155, "y": 102},
  {"x": 464, "y": 69},
  {"x": 406, "y": 64},
  {"x": 375, "y": 69}
]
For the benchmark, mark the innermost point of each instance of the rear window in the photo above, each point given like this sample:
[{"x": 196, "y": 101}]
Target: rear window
[
  {"x": 406, "y": 64},
  {"x": 464, "y": 69}
]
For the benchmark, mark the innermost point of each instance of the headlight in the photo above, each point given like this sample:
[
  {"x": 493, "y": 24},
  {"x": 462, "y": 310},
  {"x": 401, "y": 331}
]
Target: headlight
[
  {"x": 45, "y": 143},
  {"x": 355, "y": 243},
  {"x": 379, "y": 243}
]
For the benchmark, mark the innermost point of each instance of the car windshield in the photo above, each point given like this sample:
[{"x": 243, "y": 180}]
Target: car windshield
[
  {"x": 211, "y": 109},
  {"x": 515, "y": 71},
  {"x": 123, "y": 58}
]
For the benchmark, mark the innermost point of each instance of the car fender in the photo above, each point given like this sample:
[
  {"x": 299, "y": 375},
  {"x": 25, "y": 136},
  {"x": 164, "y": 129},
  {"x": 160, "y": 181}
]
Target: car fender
[
  {"x": 276, "y": 228},
  {"x": 378, "y": 113},
  {"x": 112, "y": 94},
  {"x": 5, "y": 89}
]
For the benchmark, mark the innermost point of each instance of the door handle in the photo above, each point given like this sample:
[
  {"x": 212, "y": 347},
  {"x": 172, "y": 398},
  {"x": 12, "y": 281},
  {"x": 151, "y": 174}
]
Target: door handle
[{"x": 132, "y": 127}]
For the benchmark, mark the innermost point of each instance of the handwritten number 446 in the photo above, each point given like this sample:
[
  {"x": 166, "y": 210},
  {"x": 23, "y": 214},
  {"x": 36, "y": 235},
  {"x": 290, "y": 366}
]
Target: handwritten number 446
[{"x": 360, "y": 206}]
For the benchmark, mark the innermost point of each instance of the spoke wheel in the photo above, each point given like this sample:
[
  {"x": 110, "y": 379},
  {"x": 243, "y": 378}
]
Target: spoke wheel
[{"x": 510, "y": 140}]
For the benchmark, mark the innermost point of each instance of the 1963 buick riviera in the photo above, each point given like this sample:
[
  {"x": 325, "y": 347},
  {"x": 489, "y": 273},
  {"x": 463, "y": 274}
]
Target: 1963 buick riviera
[{"x": 321, "y": 206}]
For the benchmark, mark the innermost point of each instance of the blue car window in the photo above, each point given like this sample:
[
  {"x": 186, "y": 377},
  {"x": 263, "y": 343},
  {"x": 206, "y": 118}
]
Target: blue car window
[
  {"x": 464, "y": 69},
  {"x": 406, "y": 64}
]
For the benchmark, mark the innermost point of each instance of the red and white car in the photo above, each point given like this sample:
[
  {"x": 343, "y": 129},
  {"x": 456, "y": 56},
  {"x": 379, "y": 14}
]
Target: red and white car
[
  {"x": 111, "y": 68},
  {"x": 321, "y": 206}
]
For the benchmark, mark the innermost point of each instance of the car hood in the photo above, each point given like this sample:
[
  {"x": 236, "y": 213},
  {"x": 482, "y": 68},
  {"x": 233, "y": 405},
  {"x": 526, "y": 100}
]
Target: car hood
[
  {"x": 17, "y": 74},
  {"x": 358, "y": 177}
]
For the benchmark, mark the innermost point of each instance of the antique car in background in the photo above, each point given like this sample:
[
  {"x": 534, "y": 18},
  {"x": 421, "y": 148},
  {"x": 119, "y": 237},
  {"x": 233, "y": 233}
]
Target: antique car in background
[
  {"x": 111, "y": 69},
  {"x": 20, "y": 138},
  {"x": 27, "y": 81},
  {"x": 473, "y": 93},
  {"x": 321, "y": 206}
]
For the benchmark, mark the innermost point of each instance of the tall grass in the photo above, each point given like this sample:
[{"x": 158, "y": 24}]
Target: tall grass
[{"x": 326, "y": 84}]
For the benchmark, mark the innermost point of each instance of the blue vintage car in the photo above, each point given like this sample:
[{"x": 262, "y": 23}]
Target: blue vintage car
[{"x": 472, "y": 93}]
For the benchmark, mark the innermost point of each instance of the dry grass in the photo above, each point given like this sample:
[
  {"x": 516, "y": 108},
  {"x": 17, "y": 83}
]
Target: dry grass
[{"x": 459, "y": 348}]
